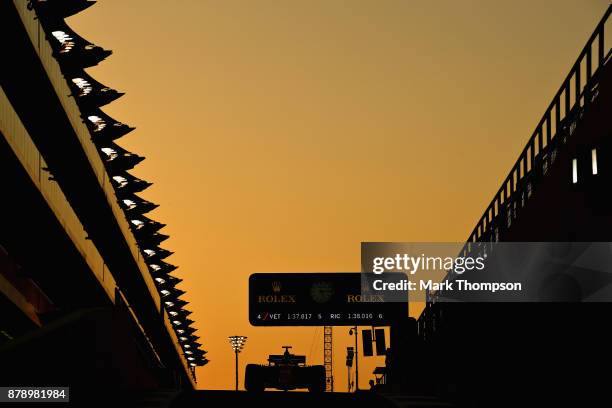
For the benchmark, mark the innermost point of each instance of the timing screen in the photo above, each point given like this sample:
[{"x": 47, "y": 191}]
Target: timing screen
[{"x": 319, "y": 299}]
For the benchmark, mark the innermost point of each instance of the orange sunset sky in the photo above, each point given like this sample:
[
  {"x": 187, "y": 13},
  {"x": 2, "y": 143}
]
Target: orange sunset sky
[{"x": 281, "y": 134}]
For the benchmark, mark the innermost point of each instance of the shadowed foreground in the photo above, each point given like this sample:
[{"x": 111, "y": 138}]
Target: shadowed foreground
[{"x": 223, "y": 399}]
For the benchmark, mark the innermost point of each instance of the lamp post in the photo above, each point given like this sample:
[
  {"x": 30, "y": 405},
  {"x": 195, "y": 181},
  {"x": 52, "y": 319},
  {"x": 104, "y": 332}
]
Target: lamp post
[
  {"x": 237, "y": 343},
  {"x": 350, "y": 353},
  {"x": 351, "y": 332}
]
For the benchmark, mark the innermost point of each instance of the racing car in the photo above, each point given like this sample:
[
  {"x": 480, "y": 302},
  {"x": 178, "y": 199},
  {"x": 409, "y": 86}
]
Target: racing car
[{"x": 285, "y": 372}]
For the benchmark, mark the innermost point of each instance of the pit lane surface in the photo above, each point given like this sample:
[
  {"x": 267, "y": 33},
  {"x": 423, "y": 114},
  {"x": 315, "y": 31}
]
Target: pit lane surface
[{"x": 226, "y": 399}]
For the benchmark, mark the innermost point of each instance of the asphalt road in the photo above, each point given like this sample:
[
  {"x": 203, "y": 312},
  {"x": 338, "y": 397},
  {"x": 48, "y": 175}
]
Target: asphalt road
[{"x": 227, "y": 399}]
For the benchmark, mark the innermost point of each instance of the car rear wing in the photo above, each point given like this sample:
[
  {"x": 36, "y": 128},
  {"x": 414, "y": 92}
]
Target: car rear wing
[{"x": 279, "y": 358}]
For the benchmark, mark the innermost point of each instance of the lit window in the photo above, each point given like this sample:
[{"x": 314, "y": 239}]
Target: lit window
[
  {"x": 188, "y": 352},
  {"x": 180, "y": 331},
  {"x": 575, "y": 171},
  {"x": 122, "y": 181},
  {"x": 155, "y": 267},
  {"x": 594, "y": 160},
  {"x": 98, "y": 122},
  {"x": 137, "y": 223},
  {"x": 161, "y": 281},
  {"x": 129, "y": 204},
  {"x": 173, "y": 313},
  {"x": 165, "y": 292},
  {"x": 83, "y": 85},
  {"x": 190, "y": 358},
  {"x": 149, "y": 252},
  {"x": 111, "y": 154},
  {"x": 66, "y": 42},
  {"x": 182, "y": 338},
  {"x": 169, "y": 304},
  {"x": 176, "y": 322},
  {"x": 187, "y": 346},
  {"x": 192, "y": 365}
]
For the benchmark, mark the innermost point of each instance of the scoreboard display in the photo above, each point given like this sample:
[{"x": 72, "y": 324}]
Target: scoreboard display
[{"x": 320, "y": 299}]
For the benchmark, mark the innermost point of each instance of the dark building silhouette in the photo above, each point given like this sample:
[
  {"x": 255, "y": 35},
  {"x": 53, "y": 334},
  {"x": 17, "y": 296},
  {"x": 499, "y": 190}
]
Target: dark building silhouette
[
  {"x": 86, "y": 297},
  {"x": 525, "y": 354}
]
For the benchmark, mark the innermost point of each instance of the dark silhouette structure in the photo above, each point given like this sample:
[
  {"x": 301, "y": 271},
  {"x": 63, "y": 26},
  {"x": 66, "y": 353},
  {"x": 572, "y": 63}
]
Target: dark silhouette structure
[
  {"x": 86, "y": 297},
  {"x": 504, "y": 354}
]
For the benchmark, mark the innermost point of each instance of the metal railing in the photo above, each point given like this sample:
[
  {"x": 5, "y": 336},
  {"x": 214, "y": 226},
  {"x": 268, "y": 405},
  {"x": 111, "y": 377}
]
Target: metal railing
[{"x": 559, "y": 121}]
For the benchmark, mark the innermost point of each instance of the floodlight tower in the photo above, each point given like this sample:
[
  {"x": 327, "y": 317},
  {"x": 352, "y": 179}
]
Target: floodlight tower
[{"x": 237, "y": 343}]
